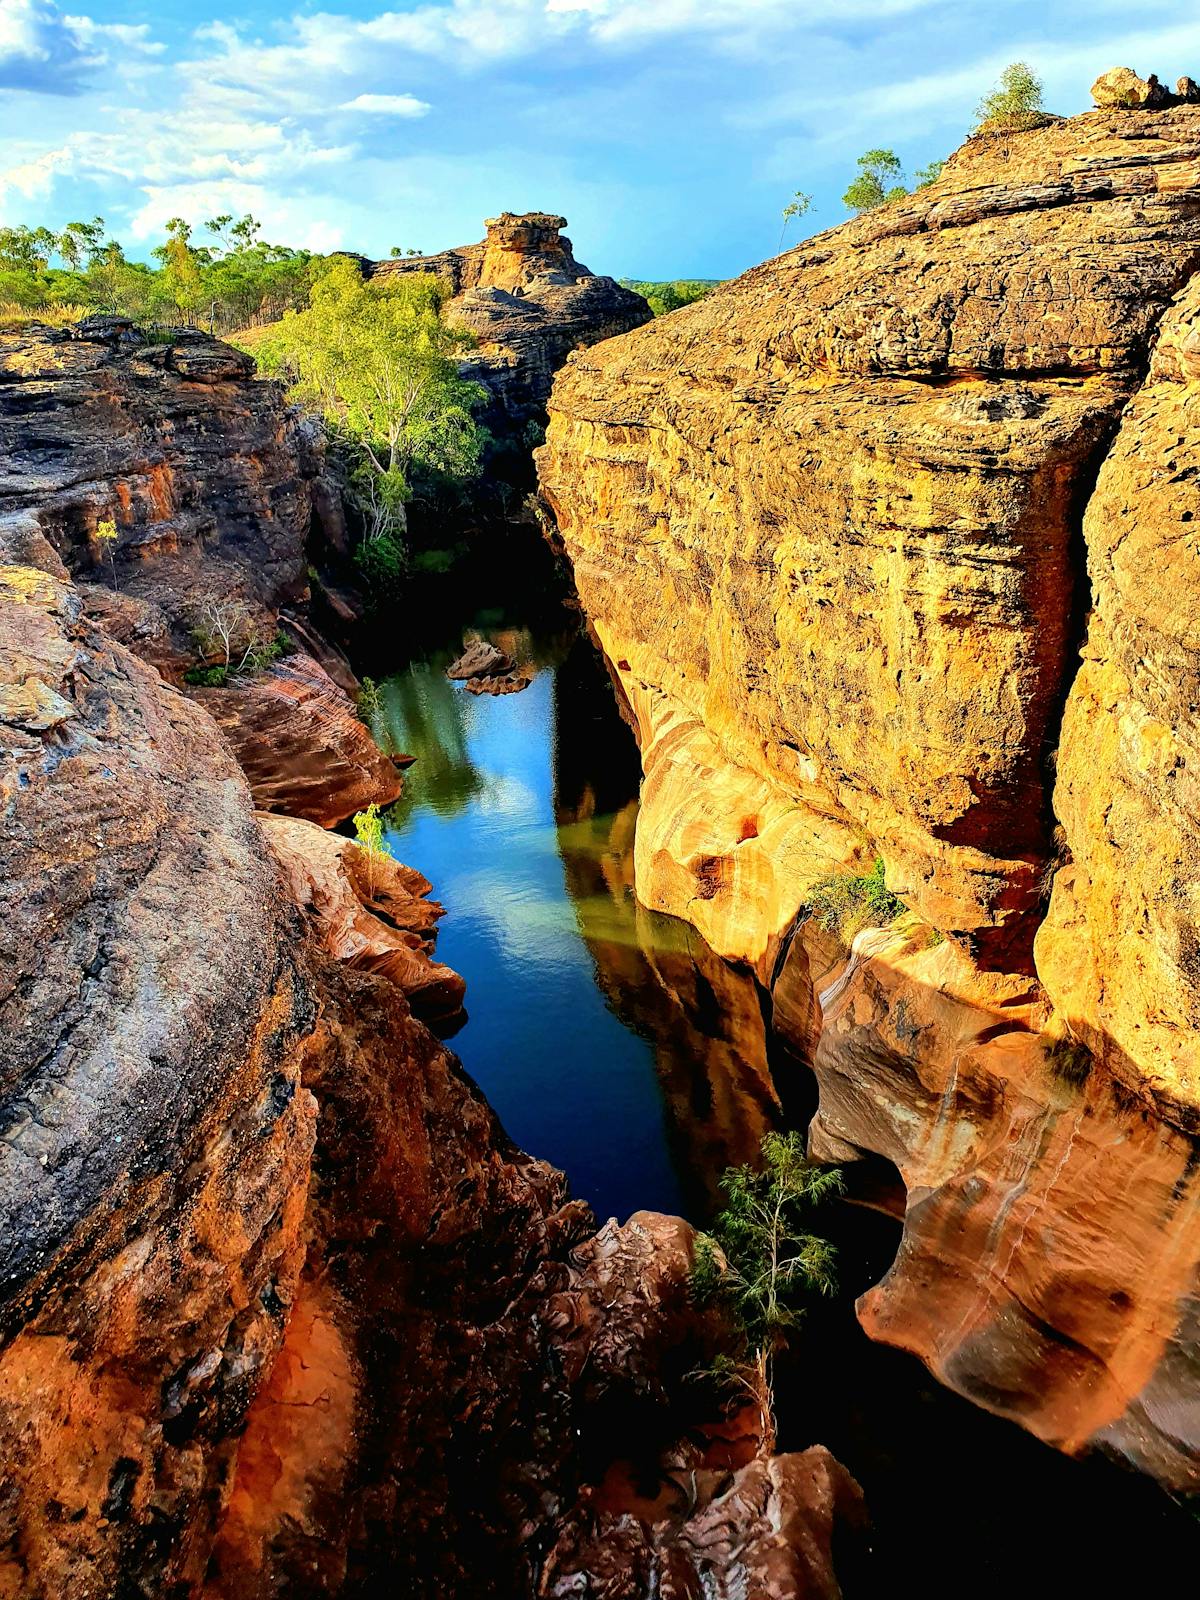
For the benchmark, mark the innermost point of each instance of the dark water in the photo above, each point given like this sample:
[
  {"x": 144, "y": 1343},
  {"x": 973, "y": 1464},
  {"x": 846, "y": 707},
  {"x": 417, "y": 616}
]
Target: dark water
[{"x": 613, "y": 1043}]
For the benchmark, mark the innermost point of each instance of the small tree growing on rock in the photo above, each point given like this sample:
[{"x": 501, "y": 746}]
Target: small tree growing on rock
[
  {"x": 106, "y": 533},
  {"x": 224, "y": 625},
  {"x": 762, "y": 1261},
  {"x": 798, "y": 206},
  {"x": 1016, "y": 102},
  {"x": 880, "y": 181},
  {"x": 368, "y": 830}
]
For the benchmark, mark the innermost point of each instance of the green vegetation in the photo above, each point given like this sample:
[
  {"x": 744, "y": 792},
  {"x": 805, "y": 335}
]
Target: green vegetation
[
  {"x": 370, "y": 702},
  {"x": 378, "y": 362},
  {"x": 207, "y": 677},
  {"x": 879, "y": 181},
  {"x": 761, "y": 1262},
  {"x": 672, "y": 293},
  {"x": 798, "y": 206},
  {"x": 233, "y": 279},
  {"x": 847, "y": 903},
  {"x": 1015, "y": 103},
  {"x": 368, "y": 830}
]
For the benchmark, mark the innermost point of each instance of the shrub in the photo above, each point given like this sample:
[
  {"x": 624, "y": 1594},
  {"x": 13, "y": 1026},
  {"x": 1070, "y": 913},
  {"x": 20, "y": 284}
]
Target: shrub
[
  {"x": 1014, "y": 104},
  {"x": 207, "y": 677},
  {"x": 368, "y": 830},
  {"x": 847, "y": 903}
]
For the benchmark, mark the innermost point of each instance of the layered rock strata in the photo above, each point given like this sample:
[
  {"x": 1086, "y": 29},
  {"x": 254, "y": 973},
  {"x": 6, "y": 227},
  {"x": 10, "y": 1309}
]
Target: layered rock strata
[
  {"x": 210, "y": 481},
  {"x": 528, "y": 302},
  {"x": 830, "y": 525}
]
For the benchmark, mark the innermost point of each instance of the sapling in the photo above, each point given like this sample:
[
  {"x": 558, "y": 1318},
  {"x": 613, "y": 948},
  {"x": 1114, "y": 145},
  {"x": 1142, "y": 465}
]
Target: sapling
[
  {"x": 762, "y": 1262},
  {"x": 368, "y": 830},
  {"x": 106, "y": 532}
]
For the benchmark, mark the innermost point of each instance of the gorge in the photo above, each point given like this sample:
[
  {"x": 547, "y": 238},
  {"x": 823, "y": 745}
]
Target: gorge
[{"x": 886, "y": 549}]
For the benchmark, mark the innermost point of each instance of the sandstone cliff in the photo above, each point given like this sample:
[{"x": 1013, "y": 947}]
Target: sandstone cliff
[
  {"x": 834, "y": 527},
  {"x": 529, "y": 303},
  {"x": 282, "y": 1310}
]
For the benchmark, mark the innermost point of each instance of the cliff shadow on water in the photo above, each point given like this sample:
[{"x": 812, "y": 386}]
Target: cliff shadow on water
[{"x": 612, "y": 1041}]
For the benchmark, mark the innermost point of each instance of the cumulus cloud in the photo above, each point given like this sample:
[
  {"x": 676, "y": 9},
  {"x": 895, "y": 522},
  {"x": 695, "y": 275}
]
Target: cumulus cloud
[
  {"x": 387, "y": 105},
  {"x": 46, "y": 52}
]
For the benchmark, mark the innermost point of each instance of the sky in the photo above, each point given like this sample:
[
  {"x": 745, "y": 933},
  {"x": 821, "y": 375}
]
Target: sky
[{"x": 671, "y": 133}]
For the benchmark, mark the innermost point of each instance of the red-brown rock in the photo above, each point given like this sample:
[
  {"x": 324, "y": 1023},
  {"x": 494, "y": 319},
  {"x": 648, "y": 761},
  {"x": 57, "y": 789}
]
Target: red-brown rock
[{"x": 301, "y": 744}]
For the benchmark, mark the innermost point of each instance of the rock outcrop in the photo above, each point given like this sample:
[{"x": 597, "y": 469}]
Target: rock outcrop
[
  {"x": 301, "y": 744},
  {"x": 210, "y": 481},
  {"x": 528, "y": 302},
  {"x": 829, "y": 525}
]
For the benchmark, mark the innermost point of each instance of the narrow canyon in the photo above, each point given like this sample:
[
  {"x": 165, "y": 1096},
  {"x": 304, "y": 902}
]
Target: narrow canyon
[{"x": 883, "y": 553}]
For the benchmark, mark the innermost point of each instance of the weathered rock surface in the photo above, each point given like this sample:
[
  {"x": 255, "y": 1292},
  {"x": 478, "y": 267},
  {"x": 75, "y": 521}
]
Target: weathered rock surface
[
  {"x": 211, "y": 480},
  {"x": 370, "y": 913},
  {"x": 155, "y": 1160},
  {"x": 480, "y": 659},
  {"x": 763, "y": 1533},
  {"x": 828, "y": 511},
  {"x": 301, "y": 744},
  {"x": 527, "y": 300},
  {"x": 1119, "y": 951},
  {"x": 828, "y": 525}
]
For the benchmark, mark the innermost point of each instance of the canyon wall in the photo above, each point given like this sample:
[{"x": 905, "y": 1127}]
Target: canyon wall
[
  {"x": 834, "y": 526},
  {"x": 282, "y": 1310}
]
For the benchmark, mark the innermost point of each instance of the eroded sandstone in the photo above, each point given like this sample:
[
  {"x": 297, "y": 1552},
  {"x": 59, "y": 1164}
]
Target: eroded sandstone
[{"x": 829, "y": 526}]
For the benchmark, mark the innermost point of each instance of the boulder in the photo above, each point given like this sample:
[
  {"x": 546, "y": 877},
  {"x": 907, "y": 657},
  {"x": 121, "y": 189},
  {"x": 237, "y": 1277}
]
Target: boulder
[
  {"x": 1121, "y": 87},
  {"x": 480, "y": 659}
]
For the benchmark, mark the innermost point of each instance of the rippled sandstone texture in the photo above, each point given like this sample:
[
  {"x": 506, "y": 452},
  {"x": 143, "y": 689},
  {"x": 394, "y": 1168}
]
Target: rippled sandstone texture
[
  {"x": 831, "y": 526},
  {"x": 529, "y": 303}
]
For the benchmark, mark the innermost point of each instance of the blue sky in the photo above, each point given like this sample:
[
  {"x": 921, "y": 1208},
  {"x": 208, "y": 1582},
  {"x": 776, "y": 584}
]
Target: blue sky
[{"x": 670, "y": 132}]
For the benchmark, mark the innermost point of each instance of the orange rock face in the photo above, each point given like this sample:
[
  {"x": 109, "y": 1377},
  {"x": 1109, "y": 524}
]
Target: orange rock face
[
  {"x": 828, "y": 510},
  {"x": 1119, "y": 951},
  {"x": 829, "y": 525},
  {"x": 154, "y": 1174}
]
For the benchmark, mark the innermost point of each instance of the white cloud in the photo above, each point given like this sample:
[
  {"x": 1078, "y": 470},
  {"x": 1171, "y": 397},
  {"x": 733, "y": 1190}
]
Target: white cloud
[
  {"x": 45, "y": 52},
  {"x": 387, "y": 105}
]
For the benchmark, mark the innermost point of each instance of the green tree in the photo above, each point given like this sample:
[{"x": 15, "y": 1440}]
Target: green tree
[
  {"x": 181, "y": 282},
  {"x": 1014, "y": 104},
  {"x": 926, "y": 175},
  {"x": 762, "y": 1261},
  {"x": 879, "y": 181},
  {"x": 81, "y": 242},
  {"x": 798, "y": 206},
  {"x": 378, "y": 362}
]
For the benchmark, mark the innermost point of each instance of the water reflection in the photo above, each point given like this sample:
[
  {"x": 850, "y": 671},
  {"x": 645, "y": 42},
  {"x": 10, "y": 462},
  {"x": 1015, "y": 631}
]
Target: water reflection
[{"x": 610, "y": 1040}]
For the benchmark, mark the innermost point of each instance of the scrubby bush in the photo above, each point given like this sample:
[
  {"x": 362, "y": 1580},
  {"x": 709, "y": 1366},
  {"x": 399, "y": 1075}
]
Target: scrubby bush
[
  {"x": 848, "y": 902},
  {"x": 1014, "y": 104}
]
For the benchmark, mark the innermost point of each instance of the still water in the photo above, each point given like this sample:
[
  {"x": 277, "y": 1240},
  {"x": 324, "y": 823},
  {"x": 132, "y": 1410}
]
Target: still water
[
  {"x": 614, "y": 1044},
  {"x": 594, "y": 1028}
]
